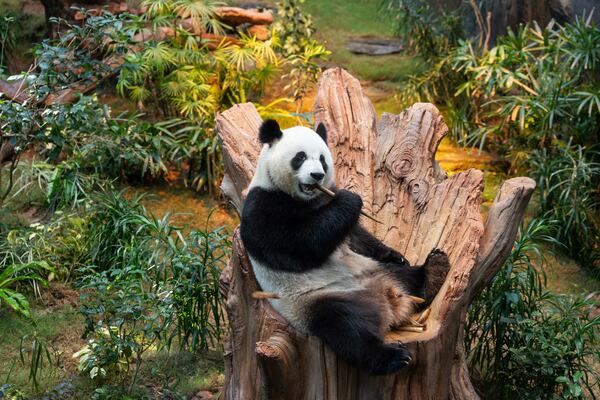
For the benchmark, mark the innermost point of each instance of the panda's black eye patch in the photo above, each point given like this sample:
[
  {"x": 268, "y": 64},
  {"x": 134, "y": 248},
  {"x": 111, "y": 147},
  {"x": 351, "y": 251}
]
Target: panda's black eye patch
[
  {"x": 298, "y": 160},
  {"x": 323, "y": 163}
]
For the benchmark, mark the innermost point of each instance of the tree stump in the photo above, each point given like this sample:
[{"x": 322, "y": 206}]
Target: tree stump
[{"x": 391, "y": 164}]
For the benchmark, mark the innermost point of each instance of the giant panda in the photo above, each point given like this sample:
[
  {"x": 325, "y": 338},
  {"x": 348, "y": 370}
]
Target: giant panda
[{"x": 334, "y": 280}]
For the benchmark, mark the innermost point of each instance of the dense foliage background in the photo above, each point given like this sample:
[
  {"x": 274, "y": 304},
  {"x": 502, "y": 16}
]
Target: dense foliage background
[{"x": 85, "y": 254}]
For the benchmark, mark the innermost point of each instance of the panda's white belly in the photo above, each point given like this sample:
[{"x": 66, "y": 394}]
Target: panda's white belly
[
  {"x": 339, "y": 274},
  {"x": 344, "y": 272}
]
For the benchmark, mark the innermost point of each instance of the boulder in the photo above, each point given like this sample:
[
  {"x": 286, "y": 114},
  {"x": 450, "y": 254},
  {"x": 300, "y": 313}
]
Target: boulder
[{"x": 374, "y": 45}]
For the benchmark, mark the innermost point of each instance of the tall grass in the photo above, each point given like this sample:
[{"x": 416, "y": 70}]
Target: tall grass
[{"x": 525, "y": 342}]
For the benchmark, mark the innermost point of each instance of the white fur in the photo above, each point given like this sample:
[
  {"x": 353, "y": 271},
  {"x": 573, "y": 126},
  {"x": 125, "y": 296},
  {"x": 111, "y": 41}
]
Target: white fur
[{"x": 297, "y": 289}]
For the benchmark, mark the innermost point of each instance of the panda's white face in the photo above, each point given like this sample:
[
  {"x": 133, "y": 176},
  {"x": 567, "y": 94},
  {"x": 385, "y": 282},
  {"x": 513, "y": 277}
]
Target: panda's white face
[{"x": 294, "y": 163}]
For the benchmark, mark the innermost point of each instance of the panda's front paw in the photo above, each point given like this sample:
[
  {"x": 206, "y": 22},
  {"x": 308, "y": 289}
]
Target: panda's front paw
[{"x": 349, "y": 199}]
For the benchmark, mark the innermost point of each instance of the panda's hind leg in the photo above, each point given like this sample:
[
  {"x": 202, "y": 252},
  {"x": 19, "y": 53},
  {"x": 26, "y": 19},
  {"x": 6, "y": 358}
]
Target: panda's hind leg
[
  {"x": 436, "y": 269},
  {"x": 351, "y": 325},
  {"x": 425, "y": 280}
]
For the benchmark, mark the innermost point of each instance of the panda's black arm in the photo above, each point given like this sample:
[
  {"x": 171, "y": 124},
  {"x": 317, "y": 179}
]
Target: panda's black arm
[
  {"x": 290, "y": 235},
  {"x": 363, "y": 242},
  {"x": 321, "y": 232}
]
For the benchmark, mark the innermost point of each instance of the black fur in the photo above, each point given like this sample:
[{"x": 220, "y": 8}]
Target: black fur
[
  {"x": 323, "y": 163},
  {"x": 412, "y": 278},
  {"x": 293, "y": 235},
  {"x": 298, "y": 160},
  {"x": 322, "y": 131},
  {"x": 269, "y": 131},
  {"x": 351, "y": 327}
]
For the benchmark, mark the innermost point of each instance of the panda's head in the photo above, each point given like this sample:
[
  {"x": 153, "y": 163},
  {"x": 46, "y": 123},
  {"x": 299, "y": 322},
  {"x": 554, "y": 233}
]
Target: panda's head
[{"x": 294, "y": 160}]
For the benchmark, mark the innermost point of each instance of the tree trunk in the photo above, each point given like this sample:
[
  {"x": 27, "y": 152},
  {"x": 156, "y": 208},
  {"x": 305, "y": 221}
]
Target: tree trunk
[{"x": 391, "y": 163}]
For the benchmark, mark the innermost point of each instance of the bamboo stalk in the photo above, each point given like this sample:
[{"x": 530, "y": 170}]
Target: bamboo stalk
[
  {"x": 331, "y": 194},
  {"x": 412, "y": 329},
  {"x": 260, "y": 295},
  {"x": 424, "y": 315},
  {"x": 416, "y": 300}
]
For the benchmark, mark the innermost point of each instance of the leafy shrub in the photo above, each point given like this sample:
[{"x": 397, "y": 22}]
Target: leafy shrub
[
  {"x": 78, "y": 53},
  {"x": 146, "y": 284},
  {"x": 525, "y": 342},
  {"x": 429, "y": 34},
  {"x": 124, "y": 318},
  {"x": 295, "y": 31},
  {"x": 122, "y": 234}
]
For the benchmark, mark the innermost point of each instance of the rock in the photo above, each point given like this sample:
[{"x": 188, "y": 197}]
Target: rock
[
  {"x": 374, "y": 45},
  {"x": 261, "y": 32}
]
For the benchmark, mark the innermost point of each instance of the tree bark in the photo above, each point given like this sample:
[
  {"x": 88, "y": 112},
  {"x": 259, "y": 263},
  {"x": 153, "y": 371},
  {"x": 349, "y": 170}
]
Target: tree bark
[{"x": 391, "y": 163}]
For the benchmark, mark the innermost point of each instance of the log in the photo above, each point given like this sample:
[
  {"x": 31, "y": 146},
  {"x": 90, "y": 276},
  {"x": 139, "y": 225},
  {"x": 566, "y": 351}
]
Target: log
[
  {"x": 391, "y": 163},
  {"x": 234, "y": 16}
]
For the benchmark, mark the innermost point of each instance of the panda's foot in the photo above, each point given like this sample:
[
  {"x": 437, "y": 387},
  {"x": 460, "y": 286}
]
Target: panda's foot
[
  {"x": 387, "y": 359},
  {"x": 436, "y": 269}
]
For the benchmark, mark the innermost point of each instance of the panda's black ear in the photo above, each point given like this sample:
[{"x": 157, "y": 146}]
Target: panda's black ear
[
  {"x": 322, "y": 131},
  {"x": 269, "y": 131}
]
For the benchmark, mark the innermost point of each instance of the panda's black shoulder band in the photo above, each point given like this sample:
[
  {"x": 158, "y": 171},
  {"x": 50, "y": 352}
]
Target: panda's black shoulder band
[{"x": 269, "y": 131}]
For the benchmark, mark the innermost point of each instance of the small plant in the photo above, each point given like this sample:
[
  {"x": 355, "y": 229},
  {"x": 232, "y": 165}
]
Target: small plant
[
  {"x": 38, "y": 354},
  {"x": 196, "y": 267},
  {"x": 13, "y": 274},
  {"x": 305, "y": 70},
  {"x": 293, "y": 27}
]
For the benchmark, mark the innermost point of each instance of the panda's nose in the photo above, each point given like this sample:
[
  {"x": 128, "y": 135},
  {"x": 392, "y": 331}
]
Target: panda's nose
[{"x": 317, "y": 176}]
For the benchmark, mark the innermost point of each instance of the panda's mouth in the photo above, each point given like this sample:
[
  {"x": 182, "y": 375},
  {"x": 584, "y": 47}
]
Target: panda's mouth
[{"x": 307, "y": 188}]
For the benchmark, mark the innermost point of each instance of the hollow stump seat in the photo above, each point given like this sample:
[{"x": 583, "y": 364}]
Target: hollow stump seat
[{"x": 390, "y": 163}]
